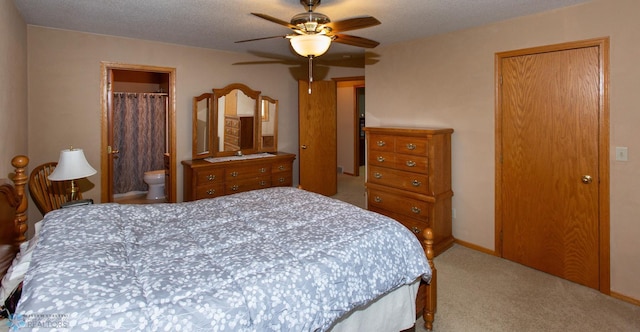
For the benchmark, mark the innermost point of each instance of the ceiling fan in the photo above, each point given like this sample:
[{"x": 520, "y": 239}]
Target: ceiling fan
[{"x": 313, "y": 32}]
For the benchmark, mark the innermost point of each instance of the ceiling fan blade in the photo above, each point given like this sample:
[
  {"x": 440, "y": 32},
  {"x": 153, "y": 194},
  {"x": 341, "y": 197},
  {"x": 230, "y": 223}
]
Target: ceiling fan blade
[
  {"x": 355, "y": 41},
  {"x": 353, "y": 24},
  {"x": 261, "y": 38},
  {"x": 275, "y": 20}
]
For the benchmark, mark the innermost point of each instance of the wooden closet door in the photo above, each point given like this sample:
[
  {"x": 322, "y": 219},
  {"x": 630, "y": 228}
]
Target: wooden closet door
[{"x": 550, "y": 153}]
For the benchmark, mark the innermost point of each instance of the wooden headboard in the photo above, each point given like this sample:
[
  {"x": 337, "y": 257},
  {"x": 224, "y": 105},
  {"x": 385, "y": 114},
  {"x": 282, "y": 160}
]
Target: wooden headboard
[{"x": 13, "y": 218}]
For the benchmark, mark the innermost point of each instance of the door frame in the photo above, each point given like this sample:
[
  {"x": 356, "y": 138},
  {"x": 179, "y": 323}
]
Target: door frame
[
  {"x": 354, "y": 82},
  {"x": 106, "y": 178},
  {"x": 603, "y": 148}
]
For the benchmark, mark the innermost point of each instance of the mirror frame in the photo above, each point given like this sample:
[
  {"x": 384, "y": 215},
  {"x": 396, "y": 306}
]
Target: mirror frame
[
  {"x": 257, "y": 123},
  {"x": 209, "y": 138},
  {"x": 273, "y": 118}
]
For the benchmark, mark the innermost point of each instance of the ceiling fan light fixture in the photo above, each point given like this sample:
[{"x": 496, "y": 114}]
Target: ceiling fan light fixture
[{"x": 313, "y": 45}]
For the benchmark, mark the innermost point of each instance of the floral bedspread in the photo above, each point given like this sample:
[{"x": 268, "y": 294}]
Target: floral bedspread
[{"x": 278, "y": 259}]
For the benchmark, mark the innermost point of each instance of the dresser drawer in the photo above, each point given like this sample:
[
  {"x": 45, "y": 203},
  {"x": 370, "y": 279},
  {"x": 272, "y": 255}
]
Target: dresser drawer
[
  {"x": 238, "y": 186},
  {"x": 409, "y": 207},
  {"x": 244, "y": 172},
  {"x": 281, "y": 180},
  {"x": 281, "y": 167},
  {"x": 210, "y": 191},
  {"x": 382, "y": 143},
  {"x": 206, "y": 177},
  {"x": 411, "y": 145},
  {"x": 231, "y": 131},
  {"x": 231, "y": 122},
  {"x": 418, "y": 183}
]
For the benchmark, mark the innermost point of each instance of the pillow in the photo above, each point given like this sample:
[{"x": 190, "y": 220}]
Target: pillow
[{"x": 17, "y": 270}]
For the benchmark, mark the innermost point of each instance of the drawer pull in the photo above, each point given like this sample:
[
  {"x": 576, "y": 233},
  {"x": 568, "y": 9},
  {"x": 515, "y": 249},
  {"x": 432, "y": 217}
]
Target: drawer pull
[
  {"x": 262, "y": 170},
  {"x": 211, "y": 191},
  {"x": 416, "y": 183},
  {"x": 235, "y": 188},
  {"x": 415, "y": 210},
  {"x": 281, "y": 180},
  {"x": 411, "y": 146},
  {"x": 416, "y": 230},
  {"x": 263, "y": 183},
  {"x": 211, "y": 177},
  {"x": 234, "y": 174},
  {"x": 380, "y": 159},
  {"x": 281, "y": 167},
  {"x": 381, "y": 143},
  {"x": 411, "y": 163},
  {"x": 377, "y": 175},
  {"x": 377, "y": 199}
]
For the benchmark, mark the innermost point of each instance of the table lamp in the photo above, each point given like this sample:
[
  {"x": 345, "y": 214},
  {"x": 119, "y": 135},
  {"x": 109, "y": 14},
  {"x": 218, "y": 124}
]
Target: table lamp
[{"x": 72, "y": 165}]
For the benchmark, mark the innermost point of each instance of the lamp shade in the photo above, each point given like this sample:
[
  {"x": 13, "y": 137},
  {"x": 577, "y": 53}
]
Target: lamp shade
[
  {"x": 71, "y": 165},
  {"x": 310, "y": 45}
]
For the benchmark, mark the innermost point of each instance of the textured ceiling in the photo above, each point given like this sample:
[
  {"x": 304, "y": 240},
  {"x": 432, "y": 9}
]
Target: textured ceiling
[{"x": 217, "y": 24}]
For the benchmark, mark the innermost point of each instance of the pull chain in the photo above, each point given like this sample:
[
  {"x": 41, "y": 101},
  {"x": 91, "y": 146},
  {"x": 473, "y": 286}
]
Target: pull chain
[{"x": 310, "y": 72}]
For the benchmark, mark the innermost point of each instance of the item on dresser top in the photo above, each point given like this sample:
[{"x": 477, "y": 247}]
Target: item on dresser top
[{"x": 275, "y": 259}]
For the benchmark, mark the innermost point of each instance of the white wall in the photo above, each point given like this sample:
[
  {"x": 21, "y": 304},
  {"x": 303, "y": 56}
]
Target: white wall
[{"x": 448, "y": 81}]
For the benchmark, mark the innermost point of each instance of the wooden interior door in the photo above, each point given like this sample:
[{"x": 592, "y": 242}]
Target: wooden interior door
[
  {"x": 550, "y": 159},
  {"x": 317, "y": 121}
]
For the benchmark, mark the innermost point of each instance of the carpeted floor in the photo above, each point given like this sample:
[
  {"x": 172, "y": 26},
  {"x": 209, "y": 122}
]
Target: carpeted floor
[{"x": 480, "y": 292}]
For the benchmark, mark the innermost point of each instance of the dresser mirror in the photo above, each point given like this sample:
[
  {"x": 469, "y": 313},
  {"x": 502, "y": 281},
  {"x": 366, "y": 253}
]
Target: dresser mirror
[
  {"x": 227, "y": 122},
  {"x": 202, "y": 119},
  {"x": 269, "y": 120}
]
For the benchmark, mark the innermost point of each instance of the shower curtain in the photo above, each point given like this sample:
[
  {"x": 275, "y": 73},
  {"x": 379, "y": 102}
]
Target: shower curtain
[{"x": 139, "y": 127}]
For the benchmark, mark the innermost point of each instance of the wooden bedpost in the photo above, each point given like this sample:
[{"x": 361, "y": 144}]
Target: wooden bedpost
[
  {"x": 20, "y": 180},
  {"x": 431, "y": 294}
]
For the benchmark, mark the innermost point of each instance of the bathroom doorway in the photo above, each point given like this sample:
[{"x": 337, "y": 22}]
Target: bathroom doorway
[{"x": 138, "y": 135}]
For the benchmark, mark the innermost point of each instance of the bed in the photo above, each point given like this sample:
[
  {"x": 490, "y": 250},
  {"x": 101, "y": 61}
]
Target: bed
[{"x": 294, "y": 261}]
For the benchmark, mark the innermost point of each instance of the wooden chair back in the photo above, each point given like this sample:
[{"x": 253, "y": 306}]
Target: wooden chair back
[{"x": 48, "y": 195}]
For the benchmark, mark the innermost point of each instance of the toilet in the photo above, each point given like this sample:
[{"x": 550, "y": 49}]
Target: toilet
[{"x": 155, "y": 180}]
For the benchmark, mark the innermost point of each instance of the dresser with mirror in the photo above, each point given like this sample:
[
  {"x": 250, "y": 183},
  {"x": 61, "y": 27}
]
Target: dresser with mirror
[{"x": 235, "y": 144}]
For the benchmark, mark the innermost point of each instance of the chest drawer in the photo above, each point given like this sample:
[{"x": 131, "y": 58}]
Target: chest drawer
[
  {"x": 412, "y": 163},
  {"x": 415, "y": 182},
  {"x": 415, "y": 226},
  {"x": 403, "y": 205},
  {"x": 382, "y": 142},
  {"x": 411, "y": 145},
  {"x": 382, "y": 158},
  {"x": 244, "y": 172},
  {"x": 207, "y": 177}
]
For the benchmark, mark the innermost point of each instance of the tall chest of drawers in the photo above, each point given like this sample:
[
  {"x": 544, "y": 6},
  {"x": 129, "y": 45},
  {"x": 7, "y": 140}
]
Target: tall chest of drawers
[
  {"x": 409, "y": 179},
  {"x": 203, "y": 179}
]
